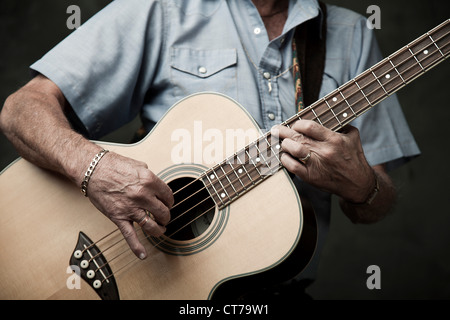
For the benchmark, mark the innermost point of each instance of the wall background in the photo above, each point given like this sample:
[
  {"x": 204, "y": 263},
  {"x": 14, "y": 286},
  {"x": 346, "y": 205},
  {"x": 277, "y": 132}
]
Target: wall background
[{"x": 411, "y": 246}]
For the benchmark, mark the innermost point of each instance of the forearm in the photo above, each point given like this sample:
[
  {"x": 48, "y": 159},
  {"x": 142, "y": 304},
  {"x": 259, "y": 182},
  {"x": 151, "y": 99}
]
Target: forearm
[
  {"x": 381, "y": 205},
  {"x": 33, "y": 120}
]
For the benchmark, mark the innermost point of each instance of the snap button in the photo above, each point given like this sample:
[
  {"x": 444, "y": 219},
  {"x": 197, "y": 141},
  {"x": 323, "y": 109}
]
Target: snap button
[
  {"x": 202, "y": 70},
  {"x": 257, "y": 30},
  {"x": 267, "y": 75},
  {"x": 271, "y": 116}
]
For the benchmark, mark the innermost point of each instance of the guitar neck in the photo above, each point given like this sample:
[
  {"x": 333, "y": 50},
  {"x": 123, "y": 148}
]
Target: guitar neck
[
  {"x": 360, "y": 94},
  {"x": 250, "y": 166}
]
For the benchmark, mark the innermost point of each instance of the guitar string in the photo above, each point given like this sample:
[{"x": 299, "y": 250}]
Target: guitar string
[
  {"x": 432, "y": 44},
  {"x": 377, "y": 78},
  {"x": 227, "y": 173},
  {"x": 155, "y": 245}
]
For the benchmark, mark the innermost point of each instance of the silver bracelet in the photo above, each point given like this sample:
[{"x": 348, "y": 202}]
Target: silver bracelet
[{"x": 90, "y": 170}]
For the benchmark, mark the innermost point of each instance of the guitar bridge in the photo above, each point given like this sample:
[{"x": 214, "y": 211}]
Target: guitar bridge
[{"x": 94, "y": 268}]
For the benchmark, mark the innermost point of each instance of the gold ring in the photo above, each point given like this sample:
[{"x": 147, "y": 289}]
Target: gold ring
[
  {"x": 143, "y": 221},
  {"x": 305, "y": 159}
]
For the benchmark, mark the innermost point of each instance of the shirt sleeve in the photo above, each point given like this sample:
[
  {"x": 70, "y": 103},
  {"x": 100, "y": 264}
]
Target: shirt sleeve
[
  {"x": 105, "y": 67},
  {"x": 384, "y": 131}
]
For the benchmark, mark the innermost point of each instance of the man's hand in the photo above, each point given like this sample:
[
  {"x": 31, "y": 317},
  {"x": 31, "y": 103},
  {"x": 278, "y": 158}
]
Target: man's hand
[
  {"x": 34, "y": 120},
  {"x": 123, "y": 189},
  {"x": 336, "y": 163}
]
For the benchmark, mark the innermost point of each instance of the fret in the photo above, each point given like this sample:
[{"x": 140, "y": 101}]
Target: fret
[
  {"x": 316, "y": 117},
  {"x": 432, "y": 40},
  {"x": 339, "y": 106},
  {"x": 223, "y": 192},
  {"x": 278, "y": 147},
  {"x": 251, "y": 155},
  {"x": 219, "y": 184},
  {"x": 334, "y": 114},
  {"x": 286, "y": 123},
  {"x": 418, "y": 62},
  {"x": 383, "y": 72},
  {"x": 320, "y": 109},
  {"x": 236, "y": 193},
  {"x": 305, "y": 114},
  {"x": 442, "y": 39},
  {"x": 354, "y": 97},
  {"x": 269, "y": 156},
  {"x": 388, "y": 76},
  {"x": 244, "y": 188},
  {"x": 406, "y": 65},
  {"x": 254, "y": 165},
  {"x": 427, "y": 56},
  {"x": 349, "y": 106},
  {"x": 371, "y": 87},
  {"x": 379, "y": 82},
  {"x": 261, "y": 155},
  {"x": 245, "y": 169},
  {"x": 213, "y": 193},
  {"x": 235, "y": 178},
  {"x": 365, "y": 97}
]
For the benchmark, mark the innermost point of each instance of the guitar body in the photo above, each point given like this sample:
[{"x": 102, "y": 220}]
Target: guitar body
[{"x": 42, "y": 214}]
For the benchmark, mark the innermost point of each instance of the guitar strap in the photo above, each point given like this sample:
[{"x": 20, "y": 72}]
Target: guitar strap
[{"x": 309, "y": 49}]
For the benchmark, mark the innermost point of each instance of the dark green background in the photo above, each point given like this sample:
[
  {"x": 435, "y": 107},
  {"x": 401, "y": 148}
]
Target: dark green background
[{"x": 411, "y": 246}]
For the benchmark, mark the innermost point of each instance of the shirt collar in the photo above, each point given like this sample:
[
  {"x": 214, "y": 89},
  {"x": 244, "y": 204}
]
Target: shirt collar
[{"x": 301, "y": 11}]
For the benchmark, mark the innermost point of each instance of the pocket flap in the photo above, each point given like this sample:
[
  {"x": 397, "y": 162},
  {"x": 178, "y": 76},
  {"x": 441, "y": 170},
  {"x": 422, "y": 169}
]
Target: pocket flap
[{"x": 202, "y": 63}]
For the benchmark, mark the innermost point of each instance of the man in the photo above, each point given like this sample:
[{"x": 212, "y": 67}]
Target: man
[{"x": 142, "y": 56}]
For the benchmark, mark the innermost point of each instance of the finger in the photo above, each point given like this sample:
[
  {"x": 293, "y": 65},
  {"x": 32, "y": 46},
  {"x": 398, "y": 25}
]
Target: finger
[
  {"x": 293, "y": 165},
  {"x": 283, "y": 132},
  {"x": 155, "y": 196},
  {"x": 295, "y": 149},
  {"x": 350, "y": 130},
  {"x": 130, "y": 235},
  {"x": 164, "y": 193},
  {"x": 159, "y": 210},
  {"x": 311, "y": 129},
  {"x": 149, "y": 225}
]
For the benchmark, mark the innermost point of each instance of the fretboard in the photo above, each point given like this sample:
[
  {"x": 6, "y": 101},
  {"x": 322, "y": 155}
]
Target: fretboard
[{"x": 256, "y": 162}]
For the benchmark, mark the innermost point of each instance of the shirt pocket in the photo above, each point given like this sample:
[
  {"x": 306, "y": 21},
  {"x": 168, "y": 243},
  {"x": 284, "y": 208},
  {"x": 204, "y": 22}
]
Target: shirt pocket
[{"x": 194, "y": 70}]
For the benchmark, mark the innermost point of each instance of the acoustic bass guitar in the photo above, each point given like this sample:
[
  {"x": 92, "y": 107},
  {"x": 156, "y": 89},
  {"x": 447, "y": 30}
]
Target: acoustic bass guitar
[{"x": 238, "y": 221}]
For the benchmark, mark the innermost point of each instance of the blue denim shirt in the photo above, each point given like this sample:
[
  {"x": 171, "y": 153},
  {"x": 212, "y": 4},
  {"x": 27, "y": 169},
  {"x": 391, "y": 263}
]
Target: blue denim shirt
[{"x": 142, "y": 56}]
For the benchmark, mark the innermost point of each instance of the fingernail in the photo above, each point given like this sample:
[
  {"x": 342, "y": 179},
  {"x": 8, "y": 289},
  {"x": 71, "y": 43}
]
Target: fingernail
[{"x": 142, "y": 256}]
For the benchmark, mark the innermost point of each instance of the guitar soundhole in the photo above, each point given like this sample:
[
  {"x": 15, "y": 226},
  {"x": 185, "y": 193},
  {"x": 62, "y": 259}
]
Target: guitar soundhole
[{"x": 193, "y": 209}]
